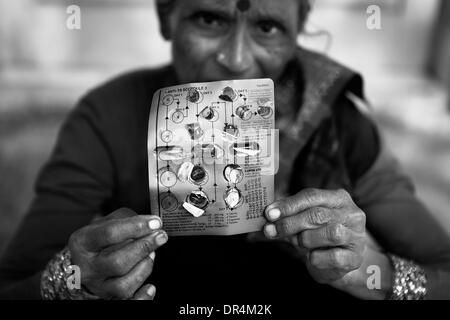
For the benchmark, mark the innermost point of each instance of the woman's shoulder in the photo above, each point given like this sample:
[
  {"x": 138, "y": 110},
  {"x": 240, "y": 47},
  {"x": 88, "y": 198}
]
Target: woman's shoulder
[
  {"x": 133, "y": 83},
  {"x": 125, "y": 97},
  {"x": 325, "y": 78}
]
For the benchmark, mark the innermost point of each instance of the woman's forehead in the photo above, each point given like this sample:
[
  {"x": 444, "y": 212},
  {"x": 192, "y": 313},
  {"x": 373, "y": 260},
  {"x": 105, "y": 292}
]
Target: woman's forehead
[
  {"x": 243, "y": 5},
  {"x": 250, "y": 7}
]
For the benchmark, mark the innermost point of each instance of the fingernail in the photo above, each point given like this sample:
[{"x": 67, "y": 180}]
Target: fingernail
[
  {"x": 274, "y": 214},
  {"x": 270, "y": 230},
  {"x": 152, "y": 255},
  {"x": 161, "y": 239},
  {"x": 154, "y": 224},
  {"x": 151, "y": 291}
]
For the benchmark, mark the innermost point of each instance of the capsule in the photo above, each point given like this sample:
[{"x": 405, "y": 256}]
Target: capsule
[
  {"x": 245, "y": 149},
  {"x": 170, "y": 153},
  {"x": 196, "y": 212}
]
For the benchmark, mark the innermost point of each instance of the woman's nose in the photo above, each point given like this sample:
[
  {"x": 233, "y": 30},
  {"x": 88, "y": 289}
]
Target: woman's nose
[{"x": 236, "y": 55}]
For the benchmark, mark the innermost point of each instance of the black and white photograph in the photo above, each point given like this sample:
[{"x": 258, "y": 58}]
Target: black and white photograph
[{"x": 222, "y": 156}]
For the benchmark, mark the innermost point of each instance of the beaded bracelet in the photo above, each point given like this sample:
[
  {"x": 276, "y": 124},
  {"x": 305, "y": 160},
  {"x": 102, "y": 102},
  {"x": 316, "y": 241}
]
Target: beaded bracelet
[
  {"x": 409, "y": 280},
  {"x": 55, "y": 277}
]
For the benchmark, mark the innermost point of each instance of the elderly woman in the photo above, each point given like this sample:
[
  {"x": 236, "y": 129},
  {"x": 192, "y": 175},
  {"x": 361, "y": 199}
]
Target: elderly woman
[{"x": 335, "y": 184}]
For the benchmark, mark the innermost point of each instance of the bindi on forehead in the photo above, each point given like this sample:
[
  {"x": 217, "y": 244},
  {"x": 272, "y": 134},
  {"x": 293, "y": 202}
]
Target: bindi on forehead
[{"x": 243, "y": 5}]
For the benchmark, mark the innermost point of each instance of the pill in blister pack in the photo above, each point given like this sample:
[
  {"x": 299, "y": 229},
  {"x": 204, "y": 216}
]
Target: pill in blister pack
[
  {"x": 265, "y": 111},
  {"x": 167, "y": 177},
  {"x": 228, "y": 94},
  {"x": 196, "y": 212},
  {"x": 244, "y": 112},
  {"x": 209, "y": 114},
  {"x": 184, "y": 171},
  {"x": 194, "y": 96},
  {"x": 233, "y": 173},
  {"x": 198, "y": 198},
  {"x": 230, "y": 132},
  {"x": 170, "y": 153},
  {"x": 168, "y": 201},
  {"x": 245, "y": 149},
  {"x": 210, "y": 151},
  {"x": 211, "y": 156},
  {"x": 233, "y": 198},
  {"x": 196, "y": 202},
  {"x": 198, "y": 175},
  {"x": 195, "y": 131}
]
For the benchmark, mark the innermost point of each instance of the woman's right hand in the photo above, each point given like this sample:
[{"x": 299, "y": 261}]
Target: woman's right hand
[{"x": 116, "y": 254}]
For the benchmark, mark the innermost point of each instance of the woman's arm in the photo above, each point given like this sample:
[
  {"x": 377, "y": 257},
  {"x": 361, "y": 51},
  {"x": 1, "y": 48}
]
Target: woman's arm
[
  {"x": 395, "y": 216},
  {"x": 402, "y": 225},
  {"x": 329, "y": 226},
  {"x": 70, "y": 190}
]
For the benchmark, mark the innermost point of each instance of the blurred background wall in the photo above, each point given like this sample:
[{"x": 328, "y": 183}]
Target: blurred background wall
[{"x": 45, "y": 67}]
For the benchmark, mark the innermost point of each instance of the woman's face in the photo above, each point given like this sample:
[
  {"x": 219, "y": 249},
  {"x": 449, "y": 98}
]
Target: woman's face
[{"x": 232, "y": 39}]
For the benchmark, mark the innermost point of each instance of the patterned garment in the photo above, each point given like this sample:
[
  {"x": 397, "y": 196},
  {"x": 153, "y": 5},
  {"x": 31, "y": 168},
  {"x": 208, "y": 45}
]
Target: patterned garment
[{"x": 311, "y": 104}]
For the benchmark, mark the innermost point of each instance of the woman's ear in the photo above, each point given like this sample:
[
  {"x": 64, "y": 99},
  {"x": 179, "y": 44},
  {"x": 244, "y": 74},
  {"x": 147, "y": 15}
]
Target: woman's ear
[{"x": 164, "y": 7}]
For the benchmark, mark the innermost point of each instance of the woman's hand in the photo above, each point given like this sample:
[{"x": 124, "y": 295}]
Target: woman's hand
[
  {"x": 329, "y": 230},
  {"x": 116, "y": 254}
]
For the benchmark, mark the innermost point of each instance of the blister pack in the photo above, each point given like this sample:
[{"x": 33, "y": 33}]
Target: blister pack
[{"x": 211, "y": 158}]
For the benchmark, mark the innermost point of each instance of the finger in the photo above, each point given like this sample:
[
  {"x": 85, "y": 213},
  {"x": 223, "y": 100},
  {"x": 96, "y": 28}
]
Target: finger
[
  {"x": 120, "y": 262},
  {"x": 116, "y": 231},
  {"x": 331, "y": 235},
  {"x": 335, "y": 261},
  {"x": 305, "y": 199},
  {"x": 311, "y": 218},
  {"x": 117, "y": 246},
  {"x": 118, "y": 214},
  {"x": 121, "y": 213},
  {"x": 147, "y": 292},
  {"x": 126, "y": 286}
]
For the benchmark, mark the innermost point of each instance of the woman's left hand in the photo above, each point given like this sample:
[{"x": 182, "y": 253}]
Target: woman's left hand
[{"x": 330, "y": 229}]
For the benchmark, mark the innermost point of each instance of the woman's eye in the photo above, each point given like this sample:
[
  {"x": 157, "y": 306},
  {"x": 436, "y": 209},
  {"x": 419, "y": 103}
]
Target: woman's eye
[
  {"x": 269, "y": 27},
  {"x": 208, "y": 20}
]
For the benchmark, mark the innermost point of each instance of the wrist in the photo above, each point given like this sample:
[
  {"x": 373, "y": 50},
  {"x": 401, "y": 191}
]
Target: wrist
[
  {"x": 56, "y": 277},
  {"x": 373, "y": 280},
  {"x": 379, "y": 274},
  {"x": 386, "y": 277}
]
